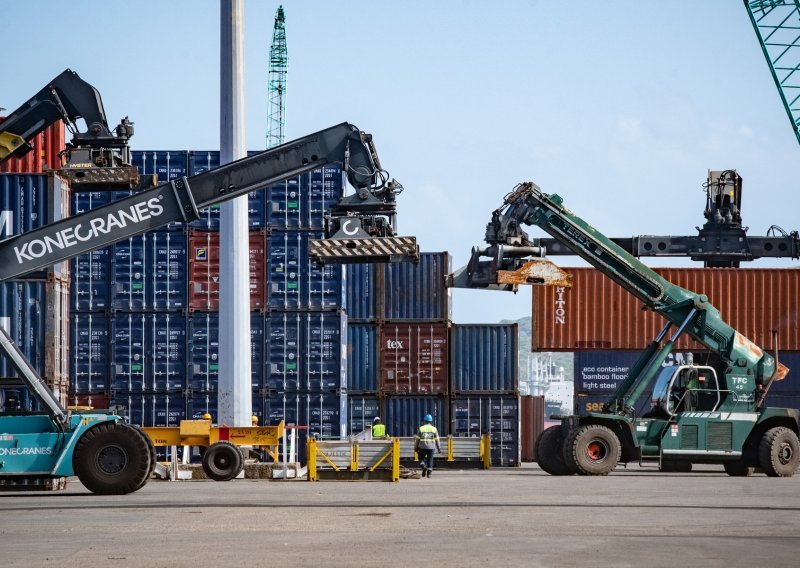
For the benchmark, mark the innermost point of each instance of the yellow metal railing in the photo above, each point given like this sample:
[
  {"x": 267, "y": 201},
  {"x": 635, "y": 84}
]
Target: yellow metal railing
[{"x": 349, "y": 458}]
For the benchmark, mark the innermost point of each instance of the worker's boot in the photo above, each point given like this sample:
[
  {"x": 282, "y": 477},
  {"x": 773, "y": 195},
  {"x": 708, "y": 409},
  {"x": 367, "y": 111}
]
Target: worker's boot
[
  {"x": 430, "y": 471},
  {"x": 423, "y": 472}
]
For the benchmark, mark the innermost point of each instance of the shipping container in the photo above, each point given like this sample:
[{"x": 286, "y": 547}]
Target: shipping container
[
  {"x": 414, "y": 357},
  {"x": 148, "y": 352},
  {"x": 149, "y": 272},
  {"x": 301, "y": 202},
  {"x": 204, "y": 255},
  {"x": 362, "y": 410},
  {"x": 597, "y": 314},
  {"x": 94, "y": 401},
  {"x": 362, "y": 357},
  {"x": 166, "y": 164},
  {"x": 496, "y": 415},
  {"x": 30, "y": 201},
  {"x": 531, "y": 425},
  {"x": 203, "y": 340},
  {"x": 91, "y": 272},
  {"x": 294, "y": 282},
  {"x": 306, "y": 351},
  {"x": 150, "y": 409},
  {"x": 17, "y": 399},
  {"x": 34, "y": 314},
  {"x": 417, "y": 291},
  {"x": 360, "y": 291},
  {"x": 483, "y": 357},
  {"x": 47, "y": 146},
  {"x": 90, "y": 356},
  {"x": 403, "y": 414},
  {"x": 201, "y": 161}
]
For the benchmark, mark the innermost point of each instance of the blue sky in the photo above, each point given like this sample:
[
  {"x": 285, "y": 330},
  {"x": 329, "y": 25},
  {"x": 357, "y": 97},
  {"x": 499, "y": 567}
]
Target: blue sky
[{"x": 619, "y": 107}]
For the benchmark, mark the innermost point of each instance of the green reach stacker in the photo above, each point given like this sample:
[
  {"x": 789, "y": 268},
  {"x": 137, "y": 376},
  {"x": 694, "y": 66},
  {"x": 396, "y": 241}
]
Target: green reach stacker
[
  {"x": 109, "y": 455},
  {"x": 698, "y": 413}
]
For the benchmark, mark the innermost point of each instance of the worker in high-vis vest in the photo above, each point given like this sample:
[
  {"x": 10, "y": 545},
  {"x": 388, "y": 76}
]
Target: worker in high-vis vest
[
  {"x": 378, "y": 429},
  {"x": 425, "y": 442}
]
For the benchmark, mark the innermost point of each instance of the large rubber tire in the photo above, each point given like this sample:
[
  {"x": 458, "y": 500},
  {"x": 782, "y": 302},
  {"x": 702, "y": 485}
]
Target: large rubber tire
[
  {"x": 593, "y": 449},
  {"x": 550, "y": 452},
  {"x": 737, "y": 469},
  {"x": 779, "y": 452},
  {"x": 153, "y": 456},
  {"x": 112, "y": 459},
  {"x": 676, "y": 466},
  {"x": 222, "y": 461}
]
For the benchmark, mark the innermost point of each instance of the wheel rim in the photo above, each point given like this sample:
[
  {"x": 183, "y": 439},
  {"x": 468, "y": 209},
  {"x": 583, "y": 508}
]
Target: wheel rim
[
  {"x": 112, "y": 459},
  {"x": 785, "y": 453},
  {"x": 222, "y": 462},
  {"x": 596, "y": 450}
]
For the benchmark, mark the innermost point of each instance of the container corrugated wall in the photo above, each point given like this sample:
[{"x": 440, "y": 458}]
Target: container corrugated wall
[
  {"x": 403, "y": 414},
  {"x": 417, "y": 291},
  {"x": 362, "y": 410},
  {"x": 45, "y": 154},
  {"x": 597, "y": 314},
  {"x": 531, "y": 425},
  {"x": 360, "y": 291},
  {"x": 362, "y": 357},
  {"x": 414, "y": 357},
  {"x": 496, "y": 415},
  {"x": 294, "y": 282},
  {"x": 483, "y": 357},
  {"x": 204, "y": 254}
]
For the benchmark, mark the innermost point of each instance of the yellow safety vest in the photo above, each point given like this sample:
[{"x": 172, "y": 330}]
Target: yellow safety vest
[{"x": 379, "y": 431}]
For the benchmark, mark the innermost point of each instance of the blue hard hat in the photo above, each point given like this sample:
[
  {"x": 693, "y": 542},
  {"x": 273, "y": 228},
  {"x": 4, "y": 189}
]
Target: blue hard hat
[{"x": 428, "y": 418}]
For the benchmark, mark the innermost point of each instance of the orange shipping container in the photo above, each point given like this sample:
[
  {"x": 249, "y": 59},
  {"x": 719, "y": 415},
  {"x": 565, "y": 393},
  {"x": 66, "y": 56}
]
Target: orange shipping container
[
  {"x": 45, "y": 154},
  {"x": 598, "y": 314},
  {"x": 204, "y": 257}
]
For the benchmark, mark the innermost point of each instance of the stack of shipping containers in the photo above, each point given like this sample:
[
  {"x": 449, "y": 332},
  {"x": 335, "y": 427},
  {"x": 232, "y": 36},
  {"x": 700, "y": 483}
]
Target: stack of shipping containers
[
  {"x": 34, "y": 310},
  {"x": 606, "y": 329}
]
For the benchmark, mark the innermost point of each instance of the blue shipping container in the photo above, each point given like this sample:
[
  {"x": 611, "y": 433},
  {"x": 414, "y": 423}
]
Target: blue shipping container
[
  {"x": 301, "y": 202},
  {"x": 484, "y": 358},
  {"x": 306, "y": 351},
  {"x": 89, "y": 364},
  {"x": 166, "y": 164},
  {"x": 360, "y": 291},
  {"x": 148, "y": 352},
  {"x": 150, "y": 409},
  {"x": 204, "y": 349},
  {"x": 23, "y": 315},
  {"x": 496, "y": 415},
  {"x": 417, "y": 291},
  {"x": 362, "y": 357},
  {"x": 29, "y": 201},
  {"x": 403, "y": 414},
  {"x": 149, "y": 272},
  {"x": 296, "y": 283},
  {"x": 362, "y": 410}
]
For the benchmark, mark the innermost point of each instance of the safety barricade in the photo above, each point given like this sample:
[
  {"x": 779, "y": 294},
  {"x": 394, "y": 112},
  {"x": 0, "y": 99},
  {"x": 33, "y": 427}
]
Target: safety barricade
[
  {"x": 456, "y": 452},
  {"x": 353, "y": 460}
]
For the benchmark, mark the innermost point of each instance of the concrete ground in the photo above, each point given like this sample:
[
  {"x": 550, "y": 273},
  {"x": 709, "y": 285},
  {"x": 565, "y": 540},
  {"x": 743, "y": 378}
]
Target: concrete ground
[{"x": 501, "y": 517}]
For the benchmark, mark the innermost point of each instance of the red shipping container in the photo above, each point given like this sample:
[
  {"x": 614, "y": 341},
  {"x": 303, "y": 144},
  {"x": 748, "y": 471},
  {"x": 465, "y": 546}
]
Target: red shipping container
[
  {"x": 204, "y": 256},
  {"x": 414, "y": 357},
  {"x": 96, "y": 401},
  {"x": 45, "y": 154},
  {"x": 532, "y": 423},
  {"x": 597, "y": 314}
]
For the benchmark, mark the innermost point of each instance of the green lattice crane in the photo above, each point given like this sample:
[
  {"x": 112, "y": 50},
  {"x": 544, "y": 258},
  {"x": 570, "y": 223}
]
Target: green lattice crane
[
  {"x": 278, "y": 67},
  {"x": 777, "y": 25}
]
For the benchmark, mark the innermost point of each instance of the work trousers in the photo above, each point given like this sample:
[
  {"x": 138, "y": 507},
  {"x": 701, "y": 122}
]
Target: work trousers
[{"x": 426, "y": 459}]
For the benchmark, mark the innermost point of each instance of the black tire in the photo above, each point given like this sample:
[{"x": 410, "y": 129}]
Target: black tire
[
  {"x": 222, "y": 461},
  {"x": 779, "y": 452},
  {"x": 595, "y": 450},
  {"x": 112, "y": 459},
  {"x": 676, "y": 466},
  {"x": 153, "y": 456},
  {"x": 550, "y": 452},
  {"x": 738, "y": 469}
]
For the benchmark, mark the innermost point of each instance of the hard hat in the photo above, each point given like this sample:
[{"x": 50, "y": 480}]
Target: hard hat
[
  {"x": 428, "y": 418},
  {"x": 206, "y": 416},
  {"x": 377, "y": 419},
  {"x": 254, "y": 420}
]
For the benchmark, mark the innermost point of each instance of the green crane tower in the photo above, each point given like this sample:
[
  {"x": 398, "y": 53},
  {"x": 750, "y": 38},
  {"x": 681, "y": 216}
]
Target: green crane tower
[
  {"x": 278, "y": 66},
  {"x": 777, "y": 25}
]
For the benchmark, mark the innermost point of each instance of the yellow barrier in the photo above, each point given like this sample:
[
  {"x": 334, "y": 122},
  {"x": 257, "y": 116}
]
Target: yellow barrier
[{"x": 354, "y": 461}]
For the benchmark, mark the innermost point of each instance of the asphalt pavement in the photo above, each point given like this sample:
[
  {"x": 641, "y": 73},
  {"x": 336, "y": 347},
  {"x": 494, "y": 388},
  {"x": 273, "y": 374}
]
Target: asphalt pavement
[{"x": 500, "y": 517}]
